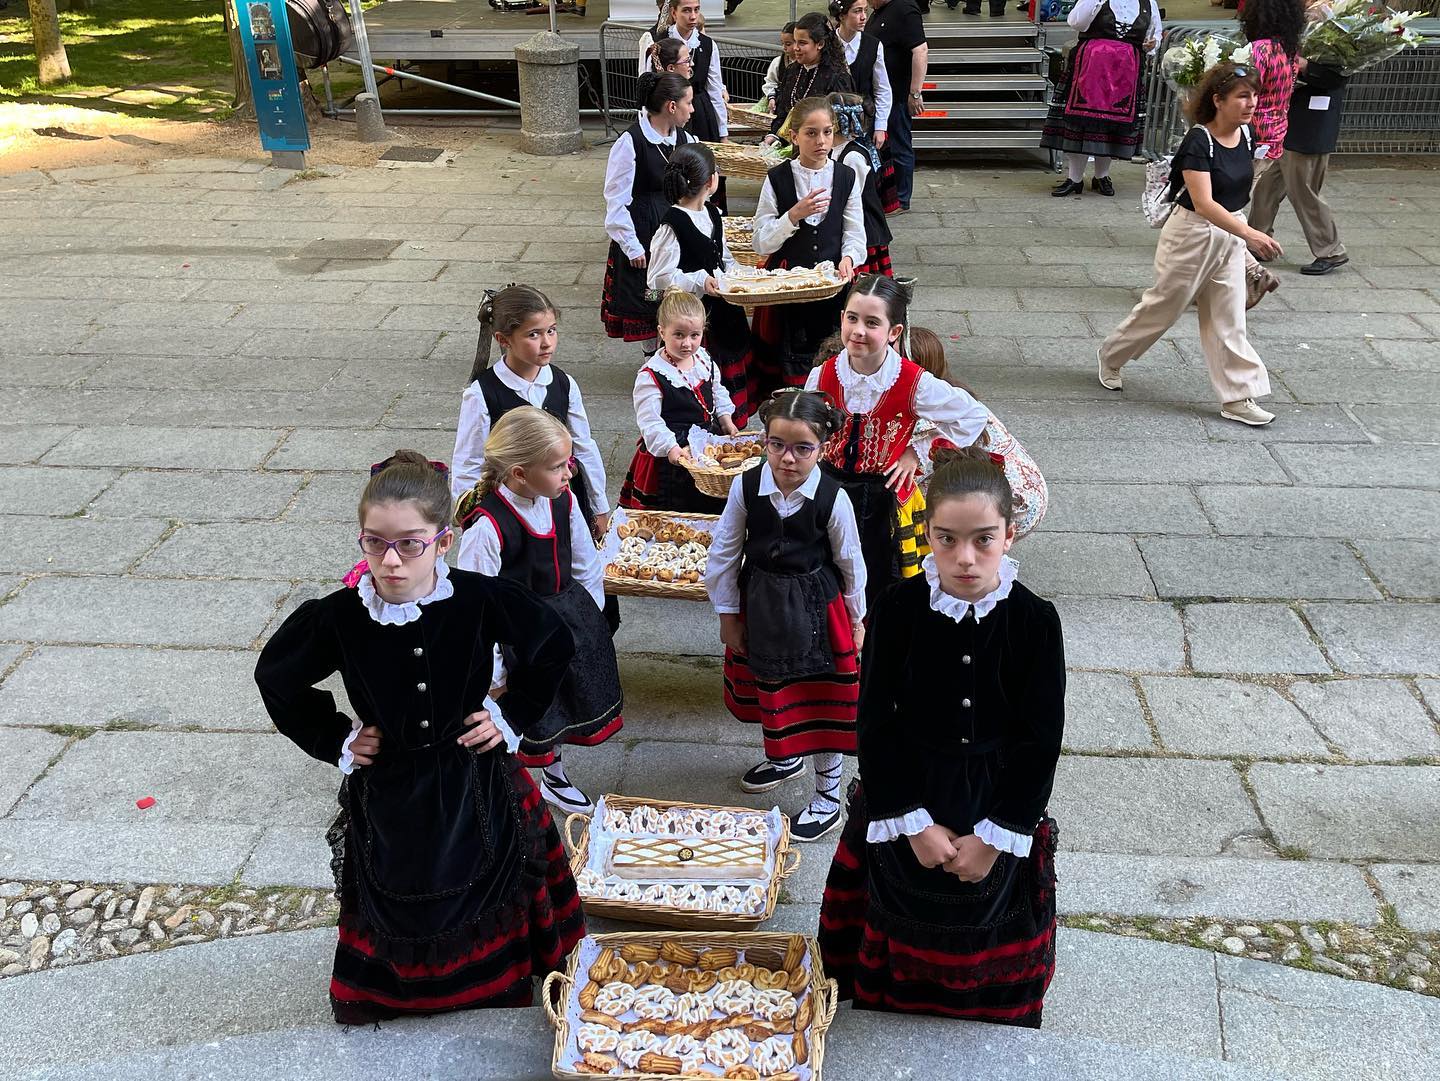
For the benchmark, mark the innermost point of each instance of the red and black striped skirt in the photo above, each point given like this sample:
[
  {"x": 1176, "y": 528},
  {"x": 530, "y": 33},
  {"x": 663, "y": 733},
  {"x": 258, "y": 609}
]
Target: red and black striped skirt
[
  {"x": 622, "y": 311},
  {"x": 653, "y": 483},
  {"x": 808, "y": 715},
  {"x": 997, "y": 970},
  {"x": 530, "y": 937},
  {"x": 877, "y": 261},
  {"x": 887, "y": 186}
]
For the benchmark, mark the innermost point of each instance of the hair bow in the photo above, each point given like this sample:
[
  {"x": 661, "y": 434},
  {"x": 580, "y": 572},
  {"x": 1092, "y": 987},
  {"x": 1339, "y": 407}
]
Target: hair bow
[
  {"x": 852, "y": 118},
  {"x": 355, "y": 573},
  {"x": 998, "y": 459},
  {"x": 439, "y": 467},
  {"x": 487, "y": 305}
]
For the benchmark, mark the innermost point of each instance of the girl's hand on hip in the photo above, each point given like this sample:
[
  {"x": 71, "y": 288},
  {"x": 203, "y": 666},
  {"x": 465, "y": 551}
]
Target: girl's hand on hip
[
  {"x": 365, "y": 746},
  {"x": 934, "y": 846},
  {"x": 902, "y": 473},
  {"x": 484, "y": 734},
  {"x": 973, "y": 859}
]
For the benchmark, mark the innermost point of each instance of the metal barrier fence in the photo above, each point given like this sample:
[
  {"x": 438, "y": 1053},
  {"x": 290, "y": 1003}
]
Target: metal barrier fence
[
  {"x": 1392, "y": 108},
  {"x": 742, "y": 67}
]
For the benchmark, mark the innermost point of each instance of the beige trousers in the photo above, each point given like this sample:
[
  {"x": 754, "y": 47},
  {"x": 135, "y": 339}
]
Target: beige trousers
[
  {"x": 1196, "y": 261},
  {"x": 1300, "y": 176}
]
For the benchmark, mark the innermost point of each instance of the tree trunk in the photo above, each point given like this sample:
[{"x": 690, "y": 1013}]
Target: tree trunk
[
  {"x": 242, "y": 101},
  {"x": 49, "y": 49}
]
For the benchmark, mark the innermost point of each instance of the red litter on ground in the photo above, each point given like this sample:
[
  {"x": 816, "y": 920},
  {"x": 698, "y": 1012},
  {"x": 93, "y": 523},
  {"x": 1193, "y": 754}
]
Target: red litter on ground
[{"x": 145, "y": 802}]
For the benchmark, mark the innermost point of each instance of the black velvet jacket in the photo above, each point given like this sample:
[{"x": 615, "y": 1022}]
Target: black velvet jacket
[
  {"x": 961, "y": 719},
  {"x": 433, "y": 848}
]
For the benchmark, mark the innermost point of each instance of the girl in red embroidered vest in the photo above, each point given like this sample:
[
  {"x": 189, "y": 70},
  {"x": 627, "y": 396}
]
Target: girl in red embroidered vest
[
  {"x": 522, "y": 523},
  {"x": 810, "y": 211},
  {"x": 678, "y": 389},
  {"x": 454, "y": 888},
  {"x": 787, "y": 548},
  {"x": 884, "y": 396},
  {"x": 941, "y": 895},
  {"x": 854, "y": 120},
  {"x": 689, "y": 252}
]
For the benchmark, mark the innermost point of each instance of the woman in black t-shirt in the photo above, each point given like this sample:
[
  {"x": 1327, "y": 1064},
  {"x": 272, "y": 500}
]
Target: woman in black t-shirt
[{"x": 1201, "y": 254}]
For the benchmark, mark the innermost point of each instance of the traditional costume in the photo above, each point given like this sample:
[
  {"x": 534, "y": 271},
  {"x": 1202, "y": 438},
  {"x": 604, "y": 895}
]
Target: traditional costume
[
  {"x": 882, "y": 410},
  {"x": 872, "y": 82},
  {"x": 668, "y": 403},
  {"x": 709, "y": 122},
  {"x": 863, "y": 158},
  {"x": 800, "y": 82},
  {"x": 688, "y": 247},
  {"x": 545, "y": 545},
  {"x": 788, "y": 336},
  {"x": 978, "y": 759},
  {"x": 454, "y": 888},
  {"x": 634, "y": 204}
]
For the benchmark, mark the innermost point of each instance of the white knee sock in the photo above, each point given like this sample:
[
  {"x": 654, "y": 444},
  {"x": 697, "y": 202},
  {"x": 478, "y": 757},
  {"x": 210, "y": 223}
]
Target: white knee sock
[
  {"x": 1075, "y": 167},
  {"x": 828, "y": 768},
  {"x": 1102, "y": 167}
]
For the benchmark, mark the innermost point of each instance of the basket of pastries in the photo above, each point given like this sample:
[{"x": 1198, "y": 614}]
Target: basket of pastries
[
  {"x": 753, "y": 287},
  {"x": 739, "y": 238},
  {"x": 654, "y": 1005},
  {"x": 657, "y": 554},
  {"x": 749, "y": 115},
  {"x": 715, "y": 464},
  {"x": 746, "y": 162},
  {"x": 679, "y": 864}
]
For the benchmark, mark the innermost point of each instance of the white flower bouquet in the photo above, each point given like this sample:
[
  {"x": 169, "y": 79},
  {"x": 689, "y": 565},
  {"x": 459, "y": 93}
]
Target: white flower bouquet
[
  {"x": 1356, "y": 34},
  {"x": 1183, "y": 65}
]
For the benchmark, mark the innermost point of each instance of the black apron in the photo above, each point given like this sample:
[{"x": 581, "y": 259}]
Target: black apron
[{"x": 647, "y": 207}]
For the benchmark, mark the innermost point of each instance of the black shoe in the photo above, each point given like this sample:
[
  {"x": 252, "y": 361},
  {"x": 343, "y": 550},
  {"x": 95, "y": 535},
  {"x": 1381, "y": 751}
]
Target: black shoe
[
  {"x": 1102, "y": 185},
  {"x": 1066, "y": 187},
  {"x": 952, "y": 4},
  {"x": 768, "y": 775},
  {"x": 997, "y": 11},
  {"x": 972, "y": 10},
  {"x": 816, "y": 820},
  {"x": 1325, "y": 266}
]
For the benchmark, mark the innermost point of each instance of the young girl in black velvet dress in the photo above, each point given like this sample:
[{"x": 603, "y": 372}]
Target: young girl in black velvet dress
[{"x": 941, "y": 896}]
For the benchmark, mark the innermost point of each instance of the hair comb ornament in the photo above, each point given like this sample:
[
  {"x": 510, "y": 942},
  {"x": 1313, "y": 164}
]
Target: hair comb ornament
[{"x": 439, "y": 467}]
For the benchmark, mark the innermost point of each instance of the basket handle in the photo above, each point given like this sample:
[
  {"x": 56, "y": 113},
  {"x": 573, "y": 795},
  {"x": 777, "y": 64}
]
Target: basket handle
[
  {"x": 559, "y": 979},
  {"x": 570, "y": 834},
  {"x": 789, "y": 866},
  {"x": 831, "y": 994}
]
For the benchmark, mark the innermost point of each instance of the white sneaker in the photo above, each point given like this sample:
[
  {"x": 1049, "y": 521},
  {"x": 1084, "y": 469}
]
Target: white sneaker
[
  {"x": 1246, "y": 412},
  {"x": 565, "y": 795},
  {"x": 1109, "y": 377}
]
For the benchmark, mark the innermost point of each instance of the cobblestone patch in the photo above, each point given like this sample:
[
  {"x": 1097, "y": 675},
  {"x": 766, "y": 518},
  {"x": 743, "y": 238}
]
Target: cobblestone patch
[{"x": 54, "y": 924}]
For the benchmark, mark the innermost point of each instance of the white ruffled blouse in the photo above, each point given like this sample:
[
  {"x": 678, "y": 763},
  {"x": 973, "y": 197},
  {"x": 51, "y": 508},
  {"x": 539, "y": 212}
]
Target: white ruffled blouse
[{"x": 957, "y": 608}]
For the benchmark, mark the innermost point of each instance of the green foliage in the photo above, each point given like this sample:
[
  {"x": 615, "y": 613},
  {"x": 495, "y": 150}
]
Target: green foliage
[{"x": 161, "y": 59}]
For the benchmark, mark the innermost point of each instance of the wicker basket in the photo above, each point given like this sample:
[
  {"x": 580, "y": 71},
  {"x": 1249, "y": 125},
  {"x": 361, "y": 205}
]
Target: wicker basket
[
  {"x": 749, "y": 301},
  {"x": 787, "y": 859},
  {"x": 745, "y": 256},
  {"x": 681, "y": 591},
  {"x": 715, "y": 480},
  {"x": 745, "y": 116},
  {"x": 745, "y": 162},
  {"x": 555, "y": 992}
]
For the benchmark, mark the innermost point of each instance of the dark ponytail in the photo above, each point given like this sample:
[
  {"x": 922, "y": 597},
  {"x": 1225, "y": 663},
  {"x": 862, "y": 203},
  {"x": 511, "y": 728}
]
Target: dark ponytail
[
  {"x": 962, "y": 471},
  {"x": 688, "y": 171},
  {"x": 810, "y": 407},
  {"x": 407, "y": 476},
  {"x": 655, "y": 91},
  {"x": 503, "y": 311},
  {"x": 840, "y": 8}
]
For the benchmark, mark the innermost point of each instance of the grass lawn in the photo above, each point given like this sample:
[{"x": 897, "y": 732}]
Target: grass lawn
[{"x": 160, "y": 59}]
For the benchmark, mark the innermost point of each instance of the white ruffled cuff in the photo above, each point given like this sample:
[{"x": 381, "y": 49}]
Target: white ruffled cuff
[
  {"x": 1003, "y": 840},
  {"x": 512, "y": 739},
  {"x": 892, "y": 829},
  {"x": 347, "y": 757}
]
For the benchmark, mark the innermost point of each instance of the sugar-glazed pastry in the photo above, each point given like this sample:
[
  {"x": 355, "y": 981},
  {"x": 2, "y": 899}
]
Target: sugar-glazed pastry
[
  {"x": 751, "y": 825},
  {"x": 775, "y": 1055},
  {"x": 614, "y": 999},
  {"x": 718, "y": 824},
  {"x": 634, "y": 1044},
  {"x": 693, "y": 1007},
  {"x": 659, "y": 894},
  {"x": 653, "y": 1003},
  {"x": 682, "y": 1045},
  {"x": 596, "y": 1038},
  {"x": 774, "y": 1005},
  {"x": 616, "y": 820},
  {"x": 692, "y": 895},
  {"x": 590, "y": 883},
  {"x": 676, "y": 822},
  {"x": 754, "y": 899},
  {"x": 734, "y": 997},
  {"x": 729, "y": 1047},
  {"x": 645, "y": 819},
  {"x": 725, "y": 899}
]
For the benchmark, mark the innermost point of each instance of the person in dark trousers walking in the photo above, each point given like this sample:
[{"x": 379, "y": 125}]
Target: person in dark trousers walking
[
  {"x": 1310, "y": 139},
  {"x": 901, "y": 30}
]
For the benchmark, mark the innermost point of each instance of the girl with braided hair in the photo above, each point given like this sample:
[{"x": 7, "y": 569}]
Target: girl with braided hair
[{"x": 853, "y": 117}]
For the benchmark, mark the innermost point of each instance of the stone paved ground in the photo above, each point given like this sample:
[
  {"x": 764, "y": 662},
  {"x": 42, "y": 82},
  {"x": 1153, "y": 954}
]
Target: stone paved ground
[{"x": 200, "y": 359}]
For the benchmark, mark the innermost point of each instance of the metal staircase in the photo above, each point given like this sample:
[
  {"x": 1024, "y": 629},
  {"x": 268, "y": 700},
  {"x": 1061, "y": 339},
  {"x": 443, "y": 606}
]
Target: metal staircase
[{"x": 985, "y": 88}]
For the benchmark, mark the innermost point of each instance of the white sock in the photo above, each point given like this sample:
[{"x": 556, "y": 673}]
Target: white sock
[
  {"x": 1102, "y": 167},
  {"x": 782, "y": 763},
  {"x": 828, "y": 768},
  {"x": 555, "y": 771},
  {"x": 1075, "y": 167}
]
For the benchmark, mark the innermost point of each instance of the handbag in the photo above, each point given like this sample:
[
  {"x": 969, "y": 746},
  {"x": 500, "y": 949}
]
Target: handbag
[{"x": 1161, "y": 185}]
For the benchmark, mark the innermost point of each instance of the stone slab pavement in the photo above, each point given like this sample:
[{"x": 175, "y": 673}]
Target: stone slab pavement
[{"x": 196, "y": 376}]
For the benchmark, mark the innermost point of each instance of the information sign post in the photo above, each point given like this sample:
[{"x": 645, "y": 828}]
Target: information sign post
[{"x": 274, "y": 81}]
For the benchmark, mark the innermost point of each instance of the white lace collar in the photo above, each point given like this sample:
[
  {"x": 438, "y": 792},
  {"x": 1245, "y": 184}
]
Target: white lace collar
[
  {"x": 647, "y": 129},
  {"x": 957, "y": 608},
  {"x": 674, "y": 376},
  {"x": 878, "y": 381},
  {"x": 393, "y": 615}
]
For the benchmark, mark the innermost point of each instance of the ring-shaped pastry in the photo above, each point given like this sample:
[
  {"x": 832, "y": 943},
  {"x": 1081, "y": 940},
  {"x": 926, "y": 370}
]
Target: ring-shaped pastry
[
  {"x": 634, "y": 1044},
  {"x": 734, "y": 997},
  {"x": 653, "y": 1003},
  {"x": 775, "y": 1055},
  {"x": 693, "y": 1007},
  {"x": 614, "y": 999},
  {"x": 596, "y": 1038},
  {"x": 726, "y": 1048},
  {"x": 774, "y": 1005},
  {"x": 691, "y": 895}
]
